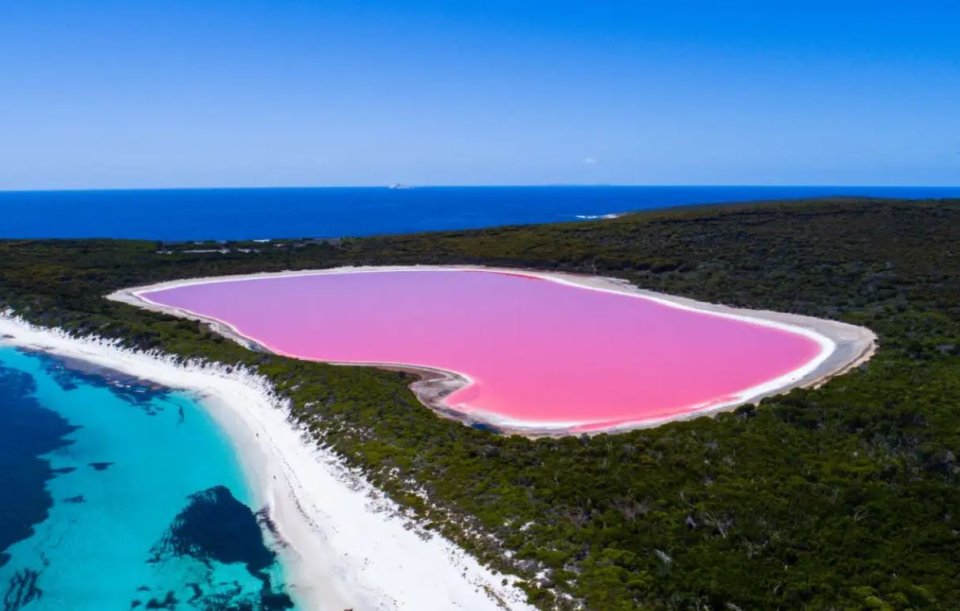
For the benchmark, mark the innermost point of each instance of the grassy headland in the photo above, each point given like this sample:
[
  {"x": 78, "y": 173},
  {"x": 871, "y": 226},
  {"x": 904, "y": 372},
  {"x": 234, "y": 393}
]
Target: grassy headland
[{"x": 844, "y": 496}]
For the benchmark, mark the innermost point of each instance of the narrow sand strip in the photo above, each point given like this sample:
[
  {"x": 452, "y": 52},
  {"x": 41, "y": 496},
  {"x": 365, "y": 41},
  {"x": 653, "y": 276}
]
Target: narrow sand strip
[
  {"x": 344, "y": 545},
  {"x": 842, "y": 346}
]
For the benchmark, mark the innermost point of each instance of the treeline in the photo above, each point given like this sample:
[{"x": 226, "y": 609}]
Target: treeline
[{"x": 842, "y": 497}]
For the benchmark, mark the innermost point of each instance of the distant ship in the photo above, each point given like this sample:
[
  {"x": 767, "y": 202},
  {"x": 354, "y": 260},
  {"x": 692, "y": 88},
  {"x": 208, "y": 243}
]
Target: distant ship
[{"x": 399, "y": 186}]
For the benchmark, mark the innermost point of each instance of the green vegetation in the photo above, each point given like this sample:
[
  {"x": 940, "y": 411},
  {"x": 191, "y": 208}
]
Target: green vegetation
[{"x": 847, "y": 496}]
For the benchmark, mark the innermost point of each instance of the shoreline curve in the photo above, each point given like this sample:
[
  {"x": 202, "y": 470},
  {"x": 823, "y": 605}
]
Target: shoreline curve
[{"x": 343, "y": 543}]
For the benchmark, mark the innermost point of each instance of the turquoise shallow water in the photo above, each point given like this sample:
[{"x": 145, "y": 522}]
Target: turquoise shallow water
[{"x": 133, "y": 495}]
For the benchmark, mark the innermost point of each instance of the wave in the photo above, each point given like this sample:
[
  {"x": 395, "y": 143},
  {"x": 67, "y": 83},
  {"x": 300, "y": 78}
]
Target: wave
[{"x": 593, "y": 217}]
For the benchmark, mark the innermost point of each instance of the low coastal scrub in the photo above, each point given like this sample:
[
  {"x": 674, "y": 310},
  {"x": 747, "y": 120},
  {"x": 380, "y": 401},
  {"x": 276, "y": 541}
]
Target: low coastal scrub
[{"x": 841, "y": 497}]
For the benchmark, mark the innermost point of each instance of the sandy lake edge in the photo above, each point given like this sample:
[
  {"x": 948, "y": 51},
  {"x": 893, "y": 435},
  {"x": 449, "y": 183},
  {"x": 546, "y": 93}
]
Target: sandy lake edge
[{"x": 843, "y": 346}]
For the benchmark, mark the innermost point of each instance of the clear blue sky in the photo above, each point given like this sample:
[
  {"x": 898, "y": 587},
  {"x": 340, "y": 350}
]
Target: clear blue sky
[{"x": 243, "y": 93}]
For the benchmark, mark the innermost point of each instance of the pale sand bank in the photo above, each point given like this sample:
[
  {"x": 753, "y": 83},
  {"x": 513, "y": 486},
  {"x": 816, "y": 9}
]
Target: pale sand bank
[
  {"x": 343, "y": 544},
  {"x": 842, "y": 346}
]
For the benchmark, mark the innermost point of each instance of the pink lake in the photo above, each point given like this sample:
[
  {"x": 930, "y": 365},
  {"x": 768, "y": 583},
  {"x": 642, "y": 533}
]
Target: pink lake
[{"x": 537, "y": 352}]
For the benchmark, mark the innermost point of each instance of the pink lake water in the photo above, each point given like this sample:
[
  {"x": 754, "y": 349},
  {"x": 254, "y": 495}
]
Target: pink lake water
[{"x": 537, "y": 351}]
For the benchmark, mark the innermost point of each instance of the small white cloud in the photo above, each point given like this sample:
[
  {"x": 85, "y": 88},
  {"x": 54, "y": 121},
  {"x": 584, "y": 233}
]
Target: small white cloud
[{"x": 591, "y": 161}]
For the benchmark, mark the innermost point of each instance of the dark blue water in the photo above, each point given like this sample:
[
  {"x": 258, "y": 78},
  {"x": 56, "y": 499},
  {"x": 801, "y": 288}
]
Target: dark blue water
[
  {"x": 225, "y": 214},
  {"x": 29, "y": 432},
  {"x": 115, "y": 494}
]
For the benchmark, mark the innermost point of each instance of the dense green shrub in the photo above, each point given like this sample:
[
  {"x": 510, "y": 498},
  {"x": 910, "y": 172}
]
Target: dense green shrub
[{"x": 842, "y": 497}]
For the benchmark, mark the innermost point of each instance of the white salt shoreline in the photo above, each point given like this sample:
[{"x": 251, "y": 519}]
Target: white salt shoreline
[
  {"x": 842, "y": 346},
  {"x": 344, "y": 544}
]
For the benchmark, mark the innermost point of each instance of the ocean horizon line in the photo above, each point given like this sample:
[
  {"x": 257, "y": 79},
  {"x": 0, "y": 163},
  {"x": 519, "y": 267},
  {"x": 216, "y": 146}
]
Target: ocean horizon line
[
  {"x": 412, "y": 186},
  {"x": 296, "y": 212}
]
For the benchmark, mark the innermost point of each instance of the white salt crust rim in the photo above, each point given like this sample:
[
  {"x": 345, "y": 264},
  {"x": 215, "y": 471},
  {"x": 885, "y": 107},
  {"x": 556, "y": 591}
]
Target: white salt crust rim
[{"x": 827, "y": 346}]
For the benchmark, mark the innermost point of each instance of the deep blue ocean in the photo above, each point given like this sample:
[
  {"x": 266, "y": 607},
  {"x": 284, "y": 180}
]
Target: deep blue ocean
[{"x": 225, "y": 214}]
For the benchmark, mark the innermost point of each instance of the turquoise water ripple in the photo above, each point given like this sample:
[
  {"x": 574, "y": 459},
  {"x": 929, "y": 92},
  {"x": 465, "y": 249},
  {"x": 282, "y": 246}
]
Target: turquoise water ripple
[{"x": 148, "y": 505}]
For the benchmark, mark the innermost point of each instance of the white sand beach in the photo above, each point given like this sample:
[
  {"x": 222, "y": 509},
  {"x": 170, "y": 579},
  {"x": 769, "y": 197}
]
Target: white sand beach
[{"x": 344, "y": 545}]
